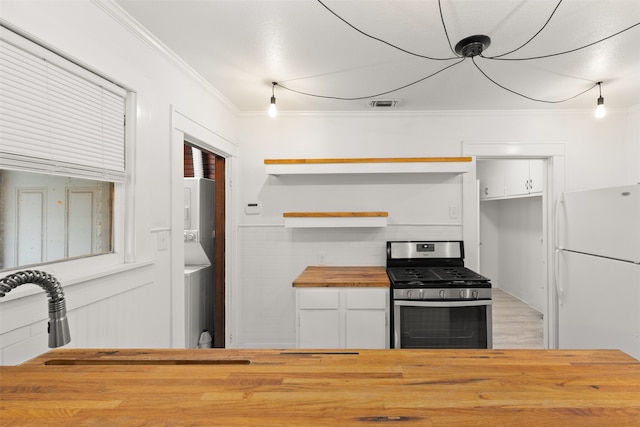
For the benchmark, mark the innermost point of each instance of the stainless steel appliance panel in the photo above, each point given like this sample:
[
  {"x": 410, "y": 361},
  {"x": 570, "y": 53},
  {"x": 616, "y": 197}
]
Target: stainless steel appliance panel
[
  {"x": 443, "y": 324},
  {"x": 421, "y": 250},
  {"x": 437, "y": 302}
]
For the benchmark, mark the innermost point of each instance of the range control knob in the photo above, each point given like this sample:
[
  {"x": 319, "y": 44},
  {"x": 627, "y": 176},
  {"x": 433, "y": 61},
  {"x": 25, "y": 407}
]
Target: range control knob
[
  {"x": 443, "y": 293},
  {"x": 461, "y": 293},
  {"x": 474, "y": 294}
]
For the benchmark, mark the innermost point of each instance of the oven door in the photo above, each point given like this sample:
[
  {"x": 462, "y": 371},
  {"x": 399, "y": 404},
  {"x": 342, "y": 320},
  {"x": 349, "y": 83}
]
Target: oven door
[{"x": 442, "y": 324}]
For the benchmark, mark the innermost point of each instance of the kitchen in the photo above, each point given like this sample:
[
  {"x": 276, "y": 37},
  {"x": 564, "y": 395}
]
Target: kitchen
[
  {"x": 264, "y": 257},
  {"x": 113, "y": 303}
]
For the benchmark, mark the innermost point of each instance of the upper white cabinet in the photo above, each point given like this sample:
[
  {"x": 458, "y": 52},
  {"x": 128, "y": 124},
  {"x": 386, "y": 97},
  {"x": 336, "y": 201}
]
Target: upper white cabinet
[
  {"x": 523, "y": 177},
  {"x": 455, "y": 165},
  {"x": 510, "y": 178},
  {"x": 490, "y": 173}
]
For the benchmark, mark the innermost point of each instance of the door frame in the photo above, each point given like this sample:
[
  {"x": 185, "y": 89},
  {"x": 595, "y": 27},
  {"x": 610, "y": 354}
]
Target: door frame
[
  {"x": 554, "y": 155},
  {"x": 185, "y": 129}
]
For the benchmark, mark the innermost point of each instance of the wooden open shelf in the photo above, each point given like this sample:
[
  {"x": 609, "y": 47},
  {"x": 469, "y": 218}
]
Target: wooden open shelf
[
  {"x": 334, "y": 219},
  {"x": 454, "y": 165}
]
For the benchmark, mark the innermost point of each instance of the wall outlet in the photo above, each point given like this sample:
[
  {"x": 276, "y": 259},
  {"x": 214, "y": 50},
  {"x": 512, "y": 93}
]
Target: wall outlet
[
  {"x": 321, "y": 259},
  {"x": 454, "y": 212}
]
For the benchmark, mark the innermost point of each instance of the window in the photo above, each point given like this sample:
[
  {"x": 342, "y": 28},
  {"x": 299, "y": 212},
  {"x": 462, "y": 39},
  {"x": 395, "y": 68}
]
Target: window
[{"x": 62, "y": 156}]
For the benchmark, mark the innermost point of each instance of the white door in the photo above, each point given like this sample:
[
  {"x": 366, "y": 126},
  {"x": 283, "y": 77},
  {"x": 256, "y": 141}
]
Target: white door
[
  {"x": 599, "y": 303},
  {"x": 366, "y": 318},
  {"x": 602, "y": 222},
  {"x": 516, "y": 177}
]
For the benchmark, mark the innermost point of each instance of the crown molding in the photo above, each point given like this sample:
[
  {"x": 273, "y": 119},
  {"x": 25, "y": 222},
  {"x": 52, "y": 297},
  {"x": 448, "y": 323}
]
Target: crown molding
[
  {"x": 122, "y": 17},
  {"x": 432, "y": 113}
]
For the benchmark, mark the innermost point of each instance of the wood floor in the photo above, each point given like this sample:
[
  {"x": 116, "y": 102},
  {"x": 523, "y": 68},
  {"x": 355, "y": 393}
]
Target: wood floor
[{"x": 515, "y": 324}]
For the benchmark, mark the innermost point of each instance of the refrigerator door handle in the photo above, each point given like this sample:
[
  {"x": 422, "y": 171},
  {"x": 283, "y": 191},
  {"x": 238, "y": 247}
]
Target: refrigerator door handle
[{"x": 556, "y": 278}]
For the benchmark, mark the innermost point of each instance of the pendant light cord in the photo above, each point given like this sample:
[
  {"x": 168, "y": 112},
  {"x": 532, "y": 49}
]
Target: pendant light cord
[
  {"x": 500, "y": 57},
  {"x": 381, "y": 40},
  {"x": 356, "y": 98}
]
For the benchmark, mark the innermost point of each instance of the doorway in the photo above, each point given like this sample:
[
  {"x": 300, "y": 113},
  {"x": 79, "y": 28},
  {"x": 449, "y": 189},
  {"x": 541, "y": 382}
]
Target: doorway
[
  {"x": 510, "y": 225},
  {"x": 553, "y": 185},
  {"x": 211, "y": 166}
]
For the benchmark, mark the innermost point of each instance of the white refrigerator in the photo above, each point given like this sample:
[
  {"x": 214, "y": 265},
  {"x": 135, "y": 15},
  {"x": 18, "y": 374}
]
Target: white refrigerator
[{"x": 598, "y": 269}]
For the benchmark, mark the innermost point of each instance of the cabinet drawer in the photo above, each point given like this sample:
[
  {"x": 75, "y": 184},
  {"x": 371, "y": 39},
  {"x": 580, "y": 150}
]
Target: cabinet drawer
[
  {"x": 367, "y": 299},
  {"x": 318, "y": 300}
]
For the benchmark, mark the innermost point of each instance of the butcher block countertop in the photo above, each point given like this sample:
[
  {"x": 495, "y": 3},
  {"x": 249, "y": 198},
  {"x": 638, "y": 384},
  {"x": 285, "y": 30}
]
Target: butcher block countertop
[
  {"x": 234, "y": 387},
  {"x": 325, "y": 276}
]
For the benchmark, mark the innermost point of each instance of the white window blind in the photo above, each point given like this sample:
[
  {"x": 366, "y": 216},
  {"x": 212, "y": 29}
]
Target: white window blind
[{"x": 56, "y": 117}]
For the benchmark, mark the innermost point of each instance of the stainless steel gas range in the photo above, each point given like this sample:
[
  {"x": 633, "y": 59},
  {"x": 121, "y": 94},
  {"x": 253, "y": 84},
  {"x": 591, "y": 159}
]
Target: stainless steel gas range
[{"x": 437, "y": 302}]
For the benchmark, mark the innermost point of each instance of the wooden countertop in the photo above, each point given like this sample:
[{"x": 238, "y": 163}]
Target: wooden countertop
[
  {"x": 325, "y": 276},
  {"x": 233, "y": 387}
]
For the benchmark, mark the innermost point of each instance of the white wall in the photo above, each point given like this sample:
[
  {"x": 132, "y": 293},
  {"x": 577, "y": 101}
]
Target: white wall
[
  {"x": 633, "y": 145},
  {"x": 512, "y": 247},
  {"x": 418, "y": 206},
  {"x": 131, "y": 307},
  {"x": 112, "y": 306}
]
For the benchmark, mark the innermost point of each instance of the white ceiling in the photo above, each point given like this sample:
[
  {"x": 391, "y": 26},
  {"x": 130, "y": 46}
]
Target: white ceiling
[{"x": 241, "y": 46}]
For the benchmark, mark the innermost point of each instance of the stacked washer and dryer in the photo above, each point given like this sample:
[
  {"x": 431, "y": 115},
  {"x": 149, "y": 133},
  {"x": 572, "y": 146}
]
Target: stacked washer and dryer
[{"x": 199, "y": 261}]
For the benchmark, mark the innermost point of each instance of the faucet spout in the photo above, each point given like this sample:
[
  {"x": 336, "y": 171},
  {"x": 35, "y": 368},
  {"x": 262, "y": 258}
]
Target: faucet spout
[{"x": 59, "y": 334}]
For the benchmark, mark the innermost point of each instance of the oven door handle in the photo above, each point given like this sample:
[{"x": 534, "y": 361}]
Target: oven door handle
[{"x": 473, "y": 303}]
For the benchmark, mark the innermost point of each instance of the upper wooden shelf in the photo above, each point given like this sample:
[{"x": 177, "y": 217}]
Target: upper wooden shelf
[{"x": 455, "y": 165}]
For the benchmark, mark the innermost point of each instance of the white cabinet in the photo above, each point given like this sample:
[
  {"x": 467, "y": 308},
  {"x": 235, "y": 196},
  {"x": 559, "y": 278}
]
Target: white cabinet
[
  {"x": 490, "y": 173},
  {"x": 342, "y": 318},
  {"x": 510, "y": 178},
  {"x": 318, "y": 314},
  {"x": 523, "y": 177}
]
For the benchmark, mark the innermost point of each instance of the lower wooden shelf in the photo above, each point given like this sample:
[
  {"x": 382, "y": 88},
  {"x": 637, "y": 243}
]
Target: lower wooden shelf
[{"x": 334, "y": 219}]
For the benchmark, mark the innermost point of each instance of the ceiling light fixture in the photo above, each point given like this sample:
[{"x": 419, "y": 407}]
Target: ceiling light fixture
[
  {"x": 600, "y": 110},
  {"x": 273, "y": 111},
  {"x": 472, "y": 46}
]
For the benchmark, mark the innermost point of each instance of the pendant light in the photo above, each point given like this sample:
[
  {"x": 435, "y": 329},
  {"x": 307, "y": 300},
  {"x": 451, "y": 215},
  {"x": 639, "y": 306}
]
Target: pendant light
[
  {"x": 273, "y": 111},
  {"x": 600, "y": 110}
]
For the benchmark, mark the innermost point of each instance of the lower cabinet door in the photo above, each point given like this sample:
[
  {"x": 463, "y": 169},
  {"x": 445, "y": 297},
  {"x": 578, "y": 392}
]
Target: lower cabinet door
[
  {"x": 366, "y": 329},
  {"x": 342, "y": 318},
  {"x": 319, "y": 329}
]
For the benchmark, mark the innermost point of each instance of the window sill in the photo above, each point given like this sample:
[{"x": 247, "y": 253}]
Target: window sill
[{"x": 67, "y": 280}]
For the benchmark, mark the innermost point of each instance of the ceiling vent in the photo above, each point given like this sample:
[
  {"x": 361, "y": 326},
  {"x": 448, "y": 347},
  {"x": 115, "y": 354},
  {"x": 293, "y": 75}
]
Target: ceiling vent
[{"x": 383, "y": 103}]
